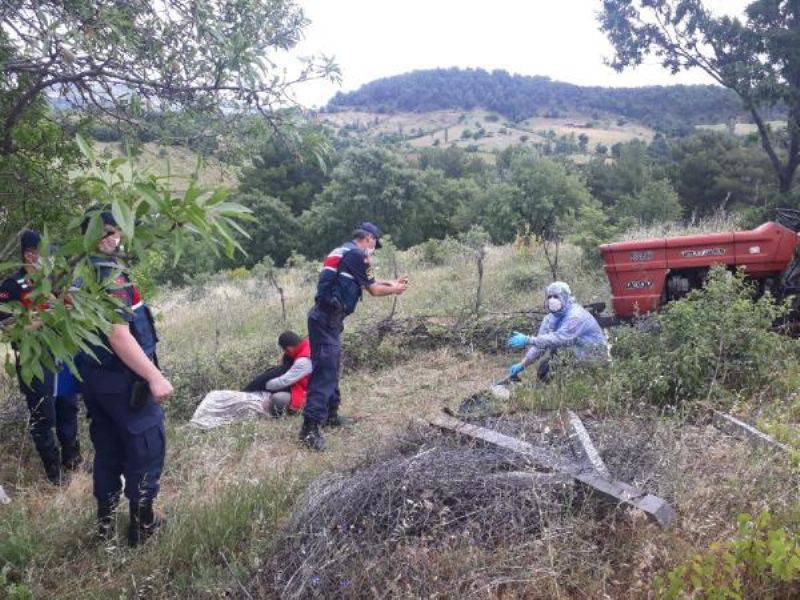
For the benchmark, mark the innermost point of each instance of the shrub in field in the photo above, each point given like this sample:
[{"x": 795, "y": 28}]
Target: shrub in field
[
  {"x": 762, "y": 561},
  {"x": 435, "y": 252},
  {"x": 527, "y": 276},
  {"x": 306, "y": 270},
  {"x": 717, "y": 338},
  {"x": 14, "y": 591},
  {"x": 147, "y": 271}
]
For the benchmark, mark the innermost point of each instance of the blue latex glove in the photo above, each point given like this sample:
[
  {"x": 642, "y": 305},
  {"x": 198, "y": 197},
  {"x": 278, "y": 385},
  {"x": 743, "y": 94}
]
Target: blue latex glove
[
  {"x": 517, "y": 340},
  {"x": 516, "y": 369}
]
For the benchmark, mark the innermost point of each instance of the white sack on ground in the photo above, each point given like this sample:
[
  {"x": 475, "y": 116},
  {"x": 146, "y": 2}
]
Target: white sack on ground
[
  {"x": 4, "y": 499},
  {"x": 222, "y": 407}
]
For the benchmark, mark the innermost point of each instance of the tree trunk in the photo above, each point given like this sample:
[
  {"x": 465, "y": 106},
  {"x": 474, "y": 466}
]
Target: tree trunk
[
  {"x": 396, "y": 298},
  {"x": 277, "y": 286},
  {"x": 10, "y": 249},
  {"x": 784, "y": 172},
  {"x": 479, "y": 256},
  {"x": 552, "y": 259}
]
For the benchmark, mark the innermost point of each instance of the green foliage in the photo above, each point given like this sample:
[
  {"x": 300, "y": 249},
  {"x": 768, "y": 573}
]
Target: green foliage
[
  {"x": 592, "y": 228},
  {"x": 716, "y": 339},
  {"x": 147, "y": 272},
  {"x": 35, "y": 185},
  {"x": 14, "y": 591},
  {"x": 627, "y": 175},
  {"x": 248, "y": 511},
  {"x": 453, "y": 161},
  {"x": 376, "y": 185},
  {"x": 543, "y": 198},
  {"x": 712, "y": 170},
  {"x": 756, "y": 57},
  {"x": 657, "y": 202},
  {"x": 708, "y": 170},
  {"x": 274, "y": 231},
  {"x": 292, "y": 175},
  {"x": 129, "y": 59},
  {"x": 434, "y": 252},
  {"x": 146, "y": 211},
  {"x": 761, "y": 561},
  {"x": 517, "y": 97}
]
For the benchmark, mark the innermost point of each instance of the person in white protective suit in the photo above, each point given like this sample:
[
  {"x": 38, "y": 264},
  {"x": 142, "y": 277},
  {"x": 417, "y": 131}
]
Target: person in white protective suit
[{"x": 567, "y": 326}]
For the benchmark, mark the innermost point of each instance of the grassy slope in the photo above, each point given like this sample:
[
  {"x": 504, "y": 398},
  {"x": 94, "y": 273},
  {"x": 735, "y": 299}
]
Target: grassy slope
[
  {"x": 226, "y": 492},
  {"x": 177, "y": 161},
  {"x": 215, "y": 341},
  {"x": 433, "y": 126}
]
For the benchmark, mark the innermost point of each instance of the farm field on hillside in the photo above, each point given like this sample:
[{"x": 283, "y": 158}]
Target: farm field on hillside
[
  {"x": 743, "y": 128},
  {"x": 443, "y": 128},
  {"x": 178, "y": 161}
]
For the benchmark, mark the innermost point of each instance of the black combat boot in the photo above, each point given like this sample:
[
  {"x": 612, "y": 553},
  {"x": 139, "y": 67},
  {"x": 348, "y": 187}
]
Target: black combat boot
[
  {"x": 336, "y": 420},
  {"x": 144, "y": 523},
  {"x": 71, "y": 458},
  {"x": 310, "y": 435},
  {"x": 106, "y": 519},
  {"x": 55, "y": 475}
]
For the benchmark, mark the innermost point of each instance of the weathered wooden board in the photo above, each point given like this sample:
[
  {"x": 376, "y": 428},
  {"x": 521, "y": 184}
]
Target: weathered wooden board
[
  {"x": 523, "y": 480},
  {"x": 733, "y": 426},
  {"x": 611, "y": 490},
  {"x": 582, "y": 443}
]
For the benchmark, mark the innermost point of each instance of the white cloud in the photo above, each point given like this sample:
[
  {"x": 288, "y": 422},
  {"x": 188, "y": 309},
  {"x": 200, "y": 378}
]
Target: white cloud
[{"x": 558, "y": 38}]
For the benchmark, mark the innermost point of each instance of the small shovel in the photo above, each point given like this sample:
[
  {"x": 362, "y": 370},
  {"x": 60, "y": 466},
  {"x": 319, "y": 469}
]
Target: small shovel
[{"x": 479, "y": 401}]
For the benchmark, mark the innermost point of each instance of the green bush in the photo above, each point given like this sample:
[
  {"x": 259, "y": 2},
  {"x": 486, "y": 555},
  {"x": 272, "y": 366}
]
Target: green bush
[
  {"x": 434, "y": 252},
  {"x": 527, "y": 276},
  {"x": 717, "y": 339},
  {"x": 762, "y": 561},
  {"x": 13, "y": 591},
  {"x": 147, "y": 272}
]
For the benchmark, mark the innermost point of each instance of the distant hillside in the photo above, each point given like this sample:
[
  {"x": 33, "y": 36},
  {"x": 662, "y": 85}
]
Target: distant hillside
[{"x": 672, "y": 109}]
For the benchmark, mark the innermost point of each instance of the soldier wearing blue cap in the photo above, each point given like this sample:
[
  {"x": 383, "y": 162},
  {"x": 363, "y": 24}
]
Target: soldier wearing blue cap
[
  {"x": 51, "y": 407},
  {"x": 123, "y": 389},
  {"x": 346, "y": 272}
]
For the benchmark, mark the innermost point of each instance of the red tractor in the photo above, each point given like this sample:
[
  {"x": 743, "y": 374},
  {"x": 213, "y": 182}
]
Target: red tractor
[{"x": 647, "y": 274}]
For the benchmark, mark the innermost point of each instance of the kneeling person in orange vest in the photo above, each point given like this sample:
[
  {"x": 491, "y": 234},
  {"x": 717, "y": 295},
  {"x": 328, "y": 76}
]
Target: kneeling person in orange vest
[{"x": 277, "y": 391}]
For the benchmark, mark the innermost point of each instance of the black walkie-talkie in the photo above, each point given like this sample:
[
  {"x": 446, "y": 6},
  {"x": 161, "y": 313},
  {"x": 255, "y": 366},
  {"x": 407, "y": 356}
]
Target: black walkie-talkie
[{"x": 140, "y": 392}]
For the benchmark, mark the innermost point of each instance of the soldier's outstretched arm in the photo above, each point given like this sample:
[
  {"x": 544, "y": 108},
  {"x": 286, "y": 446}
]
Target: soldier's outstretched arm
[{"x": 388, "y": 288}]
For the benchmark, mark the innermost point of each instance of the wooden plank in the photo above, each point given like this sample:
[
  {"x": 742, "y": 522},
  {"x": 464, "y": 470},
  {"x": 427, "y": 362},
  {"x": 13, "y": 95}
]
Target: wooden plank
[
  {"x": 582, "y": 443},
  {"x": 522, "y": 480},
  {"x": 733, "y": 426},
  {"x": 614, "y": 491},
  {"x": 541, "y": 457}
]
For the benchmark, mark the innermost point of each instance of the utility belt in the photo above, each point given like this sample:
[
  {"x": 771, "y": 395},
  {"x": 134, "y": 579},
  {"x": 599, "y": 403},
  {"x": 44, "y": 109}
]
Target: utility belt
[
  {"x": 333, "y": 314},
  {"x": 115, "y": 365}
]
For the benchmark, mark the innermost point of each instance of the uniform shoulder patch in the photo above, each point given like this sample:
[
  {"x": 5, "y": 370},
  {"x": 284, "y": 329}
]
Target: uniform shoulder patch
[{"x": 5, "y": 295}]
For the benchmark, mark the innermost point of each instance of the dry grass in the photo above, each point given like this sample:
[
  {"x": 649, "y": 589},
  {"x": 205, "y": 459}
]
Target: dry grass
[
  {"x": 177, "y": 161},
  {"x": 743, "y": 128},
  {"x": 720, "y": 222},
  {"x": 428, "y": 515},
  {"x": 229, "y": 493},
  {"x": 500, "y": 134}
]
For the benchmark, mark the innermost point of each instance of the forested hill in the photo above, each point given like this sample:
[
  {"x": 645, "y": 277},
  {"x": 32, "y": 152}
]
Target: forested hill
[{"x": 667, "y": 108}]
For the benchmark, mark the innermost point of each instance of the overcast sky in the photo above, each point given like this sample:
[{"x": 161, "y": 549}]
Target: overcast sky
[{"x": 558, "y": 38}]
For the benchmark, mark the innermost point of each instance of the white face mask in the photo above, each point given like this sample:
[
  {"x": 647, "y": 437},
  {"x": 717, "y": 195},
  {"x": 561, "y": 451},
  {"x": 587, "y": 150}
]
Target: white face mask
[{"x": 554, "y": 304}]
